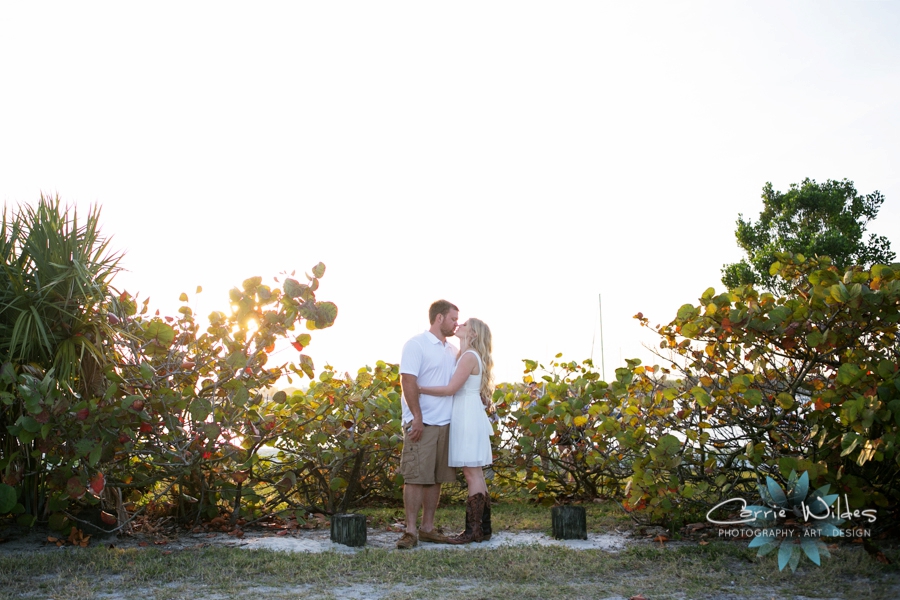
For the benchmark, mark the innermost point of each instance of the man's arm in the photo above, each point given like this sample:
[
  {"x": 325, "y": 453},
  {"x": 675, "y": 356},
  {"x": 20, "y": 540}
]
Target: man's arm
[
  {"x": 467, "y": 364},
  {"x": 410, "y": 386}
]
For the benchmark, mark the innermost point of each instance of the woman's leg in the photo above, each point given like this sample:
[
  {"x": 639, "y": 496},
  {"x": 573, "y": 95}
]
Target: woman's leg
[{"x": 475, "y": 480}]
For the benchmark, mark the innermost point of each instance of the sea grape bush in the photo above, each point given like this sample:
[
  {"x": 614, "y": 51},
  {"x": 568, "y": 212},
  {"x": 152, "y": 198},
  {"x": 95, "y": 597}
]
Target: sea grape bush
[
  {"x": 345, "y": 447},
  {"x": 804, "y": 381},
  {"x": 178, "y": 413}
]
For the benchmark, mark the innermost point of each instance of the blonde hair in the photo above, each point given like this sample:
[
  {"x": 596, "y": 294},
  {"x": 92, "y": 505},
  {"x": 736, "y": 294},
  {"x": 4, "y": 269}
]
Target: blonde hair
[{"x": 480, "y": 341}]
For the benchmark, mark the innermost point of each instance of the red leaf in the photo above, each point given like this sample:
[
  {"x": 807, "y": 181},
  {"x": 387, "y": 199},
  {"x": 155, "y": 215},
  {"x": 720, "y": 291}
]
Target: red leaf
[
  {"x": 297, "y": 346},
  {"x": 82, "y": 414},
  {"x": 107, "y": 518},
  {"x": 97, "y": 483}
]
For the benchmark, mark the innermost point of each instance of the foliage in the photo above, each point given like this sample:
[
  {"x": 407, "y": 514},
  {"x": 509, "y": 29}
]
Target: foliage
[
  {"x": 556, "y": 434},
  {"x": 103, "y": 402},
  {"x": 804, "y": 381},
  {"x": 189, "y": 408},
  {"x": 813, "y": 219},
  {"x": 55, "y": 340},
  {"x": 345, "y": 448}
]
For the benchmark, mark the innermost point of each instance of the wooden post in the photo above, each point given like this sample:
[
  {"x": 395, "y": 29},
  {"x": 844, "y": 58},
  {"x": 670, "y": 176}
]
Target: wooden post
[
  {"x": 348, "y": 529},
  {"x": 569, "y": 522}
]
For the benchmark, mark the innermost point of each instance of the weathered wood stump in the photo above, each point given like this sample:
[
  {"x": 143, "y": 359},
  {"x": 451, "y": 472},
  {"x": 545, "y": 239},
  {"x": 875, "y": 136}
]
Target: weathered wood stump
[
  {"x": 348, "y": 529},
  {"x": 569, "y": 522}
]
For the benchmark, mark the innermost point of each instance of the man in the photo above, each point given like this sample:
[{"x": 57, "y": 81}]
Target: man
[{"x": 428, "y": 359}]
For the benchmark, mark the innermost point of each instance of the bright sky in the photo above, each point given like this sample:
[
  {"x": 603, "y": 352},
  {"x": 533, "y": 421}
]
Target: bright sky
[{"x": 517, "y": 158}]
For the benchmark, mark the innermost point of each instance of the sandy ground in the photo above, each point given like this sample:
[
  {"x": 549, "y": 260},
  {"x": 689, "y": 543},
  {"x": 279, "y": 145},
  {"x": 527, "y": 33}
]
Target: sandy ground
[{"x": 299, "y": 540}]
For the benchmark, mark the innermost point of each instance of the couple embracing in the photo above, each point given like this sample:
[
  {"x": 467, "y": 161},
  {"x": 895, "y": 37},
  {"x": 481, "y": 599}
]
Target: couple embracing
[{"x": 445, "y": 426}]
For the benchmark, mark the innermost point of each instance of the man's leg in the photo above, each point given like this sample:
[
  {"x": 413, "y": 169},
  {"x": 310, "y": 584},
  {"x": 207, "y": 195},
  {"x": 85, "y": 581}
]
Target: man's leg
[
  {"x": 413, "y": 497},
  {"x": 430, "y": 498}
]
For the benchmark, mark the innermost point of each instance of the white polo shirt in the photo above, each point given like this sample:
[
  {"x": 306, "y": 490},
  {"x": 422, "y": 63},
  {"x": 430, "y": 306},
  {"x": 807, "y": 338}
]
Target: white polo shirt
[{"x": 432, "y": 362}]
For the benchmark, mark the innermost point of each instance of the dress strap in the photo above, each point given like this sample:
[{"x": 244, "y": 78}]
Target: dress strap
[{"x": 478, "y": 358}]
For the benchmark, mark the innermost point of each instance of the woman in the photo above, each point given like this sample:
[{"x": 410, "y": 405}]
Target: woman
[{"x": 470, "y": 428}]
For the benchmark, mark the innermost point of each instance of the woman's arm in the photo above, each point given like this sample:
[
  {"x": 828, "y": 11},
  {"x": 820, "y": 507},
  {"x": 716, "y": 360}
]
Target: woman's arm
[{"x": 467, "y": 364}]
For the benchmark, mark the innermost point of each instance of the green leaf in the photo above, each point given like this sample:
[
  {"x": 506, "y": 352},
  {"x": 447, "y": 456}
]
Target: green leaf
[
  {"x": 28, "y": 424},
  {"x": 839, "y": 292},
  {"x": 160, "y": 332},
  {"x": 785, "y": 400},
  {"x": 811, "y": 548},
  {"x": 146, "y": 371},
  {"x": 200, "y": 409},
  {"x": 84, "y": 446},
  {"x": 849, "y": 443},
  {"x": 94, "y": 456},
  {"x": 241, "y": 396},
  {"x": 847, "y": 374},
  {"x": 319, "y": 270},
  {"x": 761, "y": 540},
  {"x": 768, "y": 547},
  {"x": 326, "y": 313},
  {"x": 814, "y": 339},
  {"x": 7, "y": 498},
  {"x": 784, "y": 555},
  {"x": 295, "y": 289},
  {"x": 776, "y": 493},
  {"x": 886, "y": 369},
  {"x": 690, "y": 330},
  {"x": 800, "y": 489},
  {"x": 58, "y": 521},
  {"x": 306, "y": 365},
  {"x": 686, "y": 311},
  {"x": 668, "y": 444},
  {"x": 700, "y": 396},
  {"x": 753, "y": 397},
  {"x": 251, "y": 284},
  {"x": 774, "y": 268},
  {"x": 796, "y": 553},
  {"x": 236, "y": 360}
]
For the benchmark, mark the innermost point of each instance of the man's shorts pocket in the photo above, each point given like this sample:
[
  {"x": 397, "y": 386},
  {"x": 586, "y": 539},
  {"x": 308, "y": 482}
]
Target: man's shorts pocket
[{"x": 409, "y": 461}]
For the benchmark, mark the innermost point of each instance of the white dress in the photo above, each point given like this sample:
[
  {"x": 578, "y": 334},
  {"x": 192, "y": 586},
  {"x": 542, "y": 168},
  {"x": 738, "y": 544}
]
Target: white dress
[{"x": 470, "y": 428}]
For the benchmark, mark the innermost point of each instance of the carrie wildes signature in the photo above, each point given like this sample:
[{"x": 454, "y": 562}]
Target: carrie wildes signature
[{"x": 748, "y": 516}]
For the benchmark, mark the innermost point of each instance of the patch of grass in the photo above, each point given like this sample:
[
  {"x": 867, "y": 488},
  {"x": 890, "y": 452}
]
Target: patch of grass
[
  {"x": 515, "y": 516},
  {"x": 720, "y": 569}
]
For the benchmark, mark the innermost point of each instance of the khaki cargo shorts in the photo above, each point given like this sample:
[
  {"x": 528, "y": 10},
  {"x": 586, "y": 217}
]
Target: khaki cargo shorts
[{"x": 425, "y": 462}]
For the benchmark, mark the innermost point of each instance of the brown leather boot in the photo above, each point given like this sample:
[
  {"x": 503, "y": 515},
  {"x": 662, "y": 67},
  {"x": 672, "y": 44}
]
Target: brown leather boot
[
  {"x": 486, "y": 518},
  {"x": 474, "y": 513}
]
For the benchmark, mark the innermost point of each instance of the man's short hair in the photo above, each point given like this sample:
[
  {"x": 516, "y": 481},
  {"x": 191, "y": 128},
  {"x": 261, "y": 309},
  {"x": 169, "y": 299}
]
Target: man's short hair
[{"x": 440, "y": 307}]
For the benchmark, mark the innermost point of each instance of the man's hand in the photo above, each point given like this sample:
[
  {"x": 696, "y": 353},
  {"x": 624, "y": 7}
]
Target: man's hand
[
  {"x": 410, "y": 386},
  {"x": 415, "y": 430}
]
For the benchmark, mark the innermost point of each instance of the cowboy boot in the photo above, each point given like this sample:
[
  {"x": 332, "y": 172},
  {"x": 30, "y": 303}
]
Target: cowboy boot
[
  {"x": 486, "y": 518},
  {"x": 474, "y": 513}
]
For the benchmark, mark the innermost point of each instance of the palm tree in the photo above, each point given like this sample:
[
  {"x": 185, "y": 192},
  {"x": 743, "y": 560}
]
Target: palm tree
[
  {"x": 54, "y": 287},
  {"x": 55, "y": 282}
]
